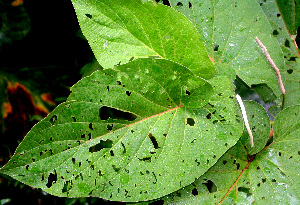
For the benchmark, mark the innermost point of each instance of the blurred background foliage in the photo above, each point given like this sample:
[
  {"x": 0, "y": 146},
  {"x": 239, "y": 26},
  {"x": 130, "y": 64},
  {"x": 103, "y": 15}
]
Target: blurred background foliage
[{"x": 42, "y": 52}]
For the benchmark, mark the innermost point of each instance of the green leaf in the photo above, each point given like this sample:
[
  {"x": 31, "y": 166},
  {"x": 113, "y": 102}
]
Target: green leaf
[
  {"x": 124, "y": 135},
  {"x": 119, "y": 31},
  {"x": 229, "y": 29},
  {"x": 290, "y": 74},
  {"x": 290, "y": 13},
  {"x": 271, "y": 176},
  {"x": 260, "y": 126}
]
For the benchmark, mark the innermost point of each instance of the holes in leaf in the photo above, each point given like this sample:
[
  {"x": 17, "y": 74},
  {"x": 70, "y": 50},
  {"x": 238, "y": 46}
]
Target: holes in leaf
[
  {"x": 187, "y": 92},
  {"x": 179, "y": 4},
  {"x": 67, "y": 186},
  {"x": 74, "y": 119},
  {"x": 275, "y": 33},
  {"x": 278, "y": 15},
  {"x": 116, "y": 168},
  {"x": 128, "y": 93},
  {"x": 165, "y": 135},
  {"x": 245, "y": 190},
  {"x": 224, "y": 162},
  {"x": 107, "y": 87},
  {"x": 190, "y": 121},
  {"x": 211, "y": 186},
  {"x": 53, "y": 119},
  {"x": 124, "y": 148},
  {"x": 195, "y": 192},
  {"x": 153, "y": 140},
  {"x": 208, "y": 116},
  {"x": 264, "y": 180},
  {"x": 109, "y": 127},
  {"x": 190, "y": 5},
  {"x": 100, "y": 174},
  {"x": 287, "y": 43},
  {"x": 273, "y": 180},
  {"x": 215, "y": 121},
  {"x": 82, "y": 136},
  {"x": 290, "y": 71},
  {"x": 279, "y": 154},
  {"x": 292, "y": 59},
  {"x": 109, "y": 112},
  {"x": 145, "y": 159},
  {"x": 111, "y": 153},
  {"x": 103, "y": 144},
  {"x": 91, "y": 126},
  {"x": 73, "y": 160},
  {"x": 216, "y": 47},
  {"x": 27, "y": 166},
  {"x": 89, "y": 16},
  {"x": 90, "y": 136},
  {"x": 52, "y": 178}
]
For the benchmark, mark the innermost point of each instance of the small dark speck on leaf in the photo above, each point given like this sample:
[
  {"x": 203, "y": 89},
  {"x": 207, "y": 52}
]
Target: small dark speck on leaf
[
  {"x": 190, "y": 121},
  {"x": 187, "y": 92},
  {"x": 287, "y": 43},
  {"x": 116, "y": 168},
  {"x": 216, "y": 47},
  {"x": 153, "y": 140},
  {"x": 290, "y": 71},
  {"x": 89, "y": 16},
  {"x": 179, "y": 4},
  {"x": 195, "y": 192},
  {"x": 275, "y": 32},
  {"x": 128, "y": 93}
]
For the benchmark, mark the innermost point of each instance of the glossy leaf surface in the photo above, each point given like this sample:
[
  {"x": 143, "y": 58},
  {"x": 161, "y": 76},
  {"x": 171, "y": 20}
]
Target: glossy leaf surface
[
  {"x": 229, "y": 29},
  {"x": 119, "y": 31},
  {"x": 271, "y": 176},
  {"x": 126, "y": 135}
]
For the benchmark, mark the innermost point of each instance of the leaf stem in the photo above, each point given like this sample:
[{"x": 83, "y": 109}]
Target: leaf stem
[
  {"x": 279, "y": 80},
  {"x": 239, "y": 99}
]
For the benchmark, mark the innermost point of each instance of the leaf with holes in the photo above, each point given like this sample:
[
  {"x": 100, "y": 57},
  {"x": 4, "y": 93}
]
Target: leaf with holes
[
  {"x": 135, "y": 133},
  {"x": 290, "y": 12},
  {"x": 270, "y": 176},
  {"x": 229, "y": 29},
  {"x": 281, "y": 30},
  {"x": 122, "y": 30}
]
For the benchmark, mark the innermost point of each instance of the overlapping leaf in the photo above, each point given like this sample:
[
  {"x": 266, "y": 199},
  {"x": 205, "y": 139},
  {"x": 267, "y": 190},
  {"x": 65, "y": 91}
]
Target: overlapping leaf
[
  {"x": 152, "y": 143},
  {"x": 229, "y": 29},
  {"x": 269, "y": 177},
  {"x": 291, "y": 73},
  {"x": 119, "y": 31},
  {"x": 290, "y": 12}
]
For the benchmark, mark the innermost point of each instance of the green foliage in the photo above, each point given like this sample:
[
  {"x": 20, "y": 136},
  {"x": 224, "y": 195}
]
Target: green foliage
[{"x": 161, "y": 119}]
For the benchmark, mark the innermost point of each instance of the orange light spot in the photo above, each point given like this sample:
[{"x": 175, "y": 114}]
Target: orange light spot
[
  {"x": 48, "y": 98},
  {"x": 17, "y": 2}
]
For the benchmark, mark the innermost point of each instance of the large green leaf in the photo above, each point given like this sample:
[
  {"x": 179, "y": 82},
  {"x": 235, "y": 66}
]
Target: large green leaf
[
  {"x": 291, "y": 73},
  {"x": 130, "y": 134},
  {"x": 121, "y": 30},
  {"x": 269, "y": 177},
  {"x": 290, "y": 12},
  {"x": 229, "y": 29}
]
